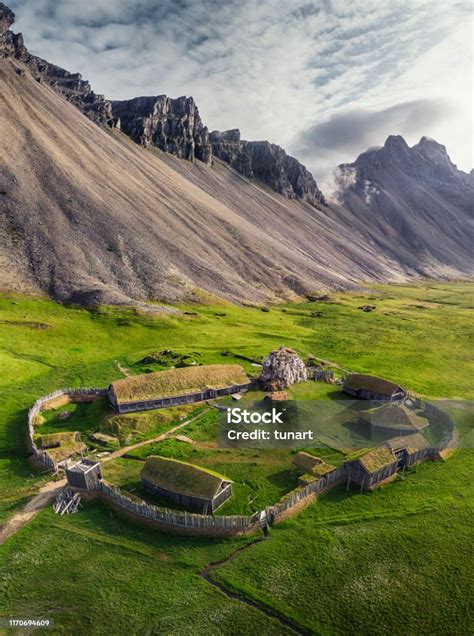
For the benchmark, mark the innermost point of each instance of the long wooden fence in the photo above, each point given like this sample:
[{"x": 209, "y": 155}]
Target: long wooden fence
[{"x": 215, "y": 525}]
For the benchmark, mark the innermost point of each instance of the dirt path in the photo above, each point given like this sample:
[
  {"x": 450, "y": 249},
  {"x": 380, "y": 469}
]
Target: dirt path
[
  {"x": 122, "y": 369},
  {"x": 46, "y": 494},
  {"x": 158, "y": 438},
  {"x": 206, "y": 575}
]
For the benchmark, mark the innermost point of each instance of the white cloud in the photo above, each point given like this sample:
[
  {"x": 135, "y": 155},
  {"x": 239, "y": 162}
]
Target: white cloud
[{"x": 273, "y": 68}]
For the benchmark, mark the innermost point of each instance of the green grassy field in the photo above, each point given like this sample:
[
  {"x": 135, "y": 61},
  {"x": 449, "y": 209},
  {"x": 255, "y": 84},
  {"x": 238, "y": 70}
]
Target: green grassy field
[
  {"x": 393, "y": 561},
  {"x": 398, "y": 559}
]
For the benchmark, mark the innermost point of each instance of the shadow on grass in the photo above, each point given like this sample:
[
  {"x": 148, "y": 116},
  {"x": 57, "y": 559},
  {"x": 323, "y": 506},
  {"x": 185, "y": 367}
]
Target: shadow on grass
[
  {"x": 100, "y": 518},
  {"x": 284, "y": 479}
]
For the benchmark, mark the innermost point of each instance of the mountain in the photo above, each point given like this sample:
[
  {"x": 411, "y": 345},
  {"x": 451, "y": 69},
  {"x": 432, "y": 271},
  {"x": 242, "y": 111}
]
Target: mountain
[
  {"x": 110, "y": 202},
  {"x": 414, "y": 204},
  {"x": 173, "y": 125},
  {"x": 87, "y": 215}
]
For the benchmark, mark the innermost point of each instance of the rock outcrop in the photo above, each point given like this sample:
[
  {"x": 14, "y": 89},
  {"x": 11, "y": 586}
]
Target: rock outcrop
[
  {"x": 268, "y": 163},
  {"x": 71, "y": 85},
  {"x": 282, "y": 368},
  {"x": 227, "y": 146},
  {"x": 173, "y": 125},
  {"x": 10, "y": 43}
]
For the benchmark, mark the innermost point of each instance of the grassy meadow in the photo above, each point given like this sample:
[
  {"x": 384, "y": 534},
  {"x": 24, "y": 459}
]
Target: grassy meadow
[{"x": 397, "y": 559}]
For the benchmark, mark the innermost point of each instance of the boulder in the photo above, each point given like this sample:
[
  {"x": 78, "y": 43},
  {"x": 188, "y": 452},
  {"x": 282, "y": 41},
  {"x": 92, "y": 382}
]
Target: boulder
[{"x": 282, "y": 368}]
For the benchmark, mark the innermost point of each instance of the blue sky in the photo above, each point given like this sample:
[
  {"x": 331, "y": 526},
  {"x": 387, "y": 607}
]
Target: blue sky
[{"x": 325, "y": 79}]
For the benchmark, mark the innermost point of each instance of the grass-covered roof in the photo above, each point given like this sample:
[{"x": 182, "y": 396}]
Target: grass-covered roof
[
  {"x": 51, "y": 440},
  {"x": 323, "y": 469},
  {"x": 182, "y": 477},
  {"x": 305, "y": 461},
  {"x": 412, "y": 442},
  {"x": 356, "y": 381},
  {"x": 311, "y": 465},
  {"x": 398, "y": 417},
  {"x": 376, "y": 459},
  {"x": 60, "y": 445},
  {"x": 181, "y": 381}
]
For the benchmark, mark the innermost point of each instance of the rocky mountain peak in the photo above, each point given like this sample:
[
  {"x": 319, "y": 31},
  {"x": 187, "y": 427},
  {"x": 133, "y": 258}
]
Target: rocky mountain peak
[
  {"x": 395, "y": 150},
  {"x": 11, "y": 44},
  {"x": 432, "y": 150},
  {"x": 7, "y": 18},
  {"x": 417, "y": 192},
  {"x": 396, "y": 143},
  {"x": 427, "y": 160}
]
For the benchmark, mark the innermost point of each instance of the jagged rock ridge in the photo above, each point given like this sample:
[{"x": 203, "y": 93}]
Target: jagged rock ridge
[
  {"x": 173, "y": 125},
  {"x": 71, "y": 85},
  {"x": 268, "y": 163}
]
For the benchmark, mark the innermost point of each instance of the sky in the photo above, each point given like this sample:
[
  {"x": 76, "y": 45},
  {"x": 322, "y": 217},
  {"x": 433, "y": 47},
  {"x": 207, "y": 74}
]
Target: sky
[{"x": 324, "y": 79}]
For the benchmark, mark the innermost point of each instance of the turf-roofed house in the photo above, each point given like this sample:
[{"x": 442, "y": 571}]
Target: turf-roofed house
[
  {"x": 393, "y": 420},
  {"x": 372, "y": 468},
  {"x": 192, "y": 487},
  {"x": 370, "y": 387},
  {"x": 177, "y": 386}
]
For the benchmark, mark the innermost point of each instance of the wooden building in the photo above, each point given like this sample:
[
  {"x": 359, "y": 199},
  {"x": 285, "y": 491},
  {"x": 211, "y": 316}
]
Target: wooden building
[
  {"x": 85, "y": 474},
  {"x": 370, "y": 387},
  {"x": 192, "y": 487},
  {"x": 409, "y": 449},
  {"x": 392, "y": 419},
  {"x": 375, "y": 466},
  {"x": 176, "y": 386}
]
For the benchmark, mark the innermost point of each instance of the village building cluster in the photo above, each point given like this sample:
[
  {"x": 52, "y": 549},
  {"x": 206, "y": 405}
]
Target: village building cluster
[{"x": 198, "y": 489}]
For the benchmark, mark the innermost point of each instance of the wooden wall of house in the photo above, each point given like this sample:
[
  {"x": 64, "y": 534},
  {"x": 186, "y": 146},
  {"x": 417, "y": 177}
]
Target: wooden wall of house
[
  {"x": 198, "y": 504},
  {"x": 189, "y": 503},
  {"x": 84, "y": 480},
  {"x": 358, "y": 475},
  {"x": 222, "y": 496}
]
